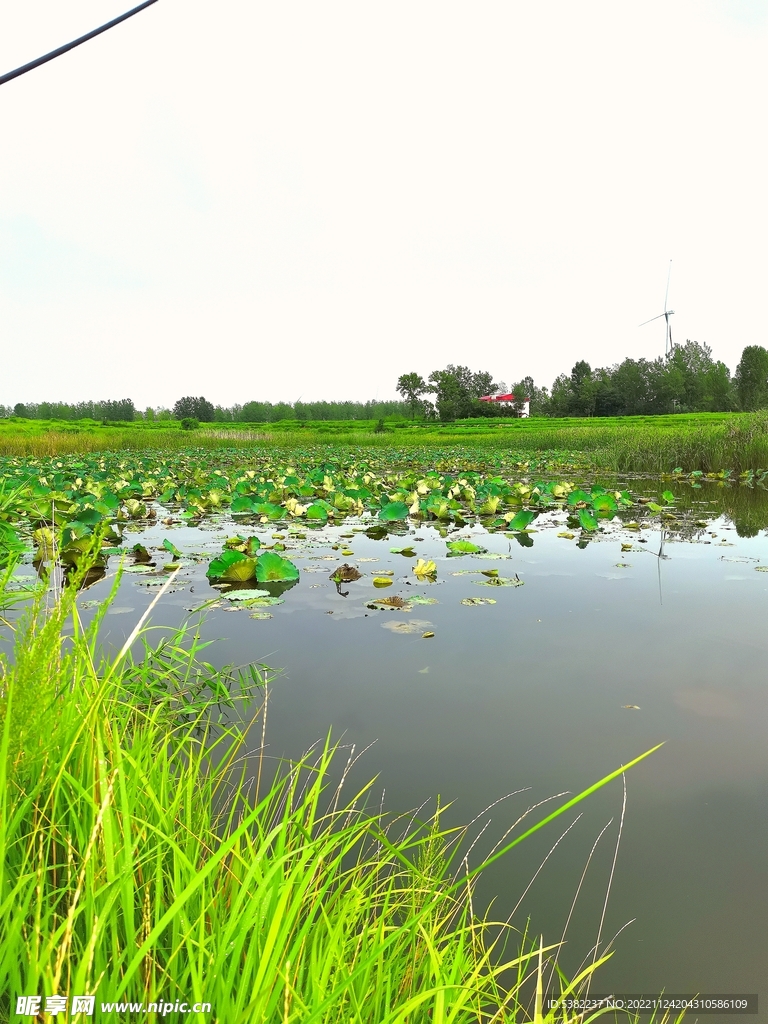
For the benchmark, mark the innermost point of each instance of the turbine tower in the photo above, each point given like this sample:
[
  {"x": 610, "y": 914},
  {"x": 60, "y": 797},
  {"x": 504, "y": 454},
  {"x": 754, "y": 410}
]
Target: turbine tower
[{"x": 666, "y": 314}]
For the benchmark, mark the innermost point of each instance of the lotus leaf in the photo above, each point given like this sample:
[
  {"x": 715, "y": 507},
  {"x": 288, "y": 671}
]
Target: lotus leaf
[
  {"x": 272, "y": 567},
  {"x": 604, "y": 503},
  {"x": 410, "y": 627},
  {"x": 500, "y": 581},
  {"x": 408, "y": 552},
  {"x": 242, "y": 503},
  {"x": 43, "y": 538},
  {"x": 393, "y": 511},
  {"x": 522, "y": 520},
  {"x": 587, "y": 520},
  {"x": 89, "y": 516},
  {"x": 317, "y": 513},
  {"x": 576, "y": 496},
  {"x": 425, "y": 570},
  {"x": 232, "y": 565},
  {"x": 463, "y": 547},
  {"x": 136, "y": 509},
  {"x": 382, "y": 581},
  {"x": 391, "y": 603},
  {"x": 170, "y": 546},
  {"x": 345, "y": 574}
]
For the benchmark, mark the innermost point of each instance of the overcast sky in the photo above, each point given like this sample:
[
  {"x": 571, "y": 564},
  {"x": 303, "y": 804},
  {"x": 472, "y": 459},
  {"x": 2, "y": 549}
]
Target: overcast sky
[{"x": 252, "y": 200}]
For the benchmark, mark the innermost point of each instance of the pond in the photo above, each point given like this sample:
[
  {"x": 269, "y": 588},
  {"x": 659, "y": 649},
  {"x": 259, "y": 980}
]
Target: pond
[{"x": 596, "y": 649}]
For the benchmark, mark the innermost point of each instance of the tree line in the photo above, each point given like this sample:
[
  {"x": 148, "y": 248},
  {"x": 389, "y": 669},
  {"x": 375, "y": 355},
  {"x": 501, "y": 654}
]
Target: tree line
[
  {"x": 200, "y": 409},
  {"x": 689, "y": 379}
]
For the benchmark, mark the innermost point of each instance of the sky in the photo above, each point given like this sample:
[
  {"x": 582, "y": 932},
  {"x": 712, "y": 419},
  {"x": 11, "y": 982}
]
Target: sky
[{"x": 261, "y": 201}]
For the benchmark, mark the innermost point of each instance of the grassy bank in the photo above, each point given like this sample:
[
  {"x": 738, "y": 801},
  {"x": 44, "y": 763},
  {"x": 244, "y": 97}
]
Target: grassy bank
[
  {"x": 150, "y": 856},
  {"x": 697, "y": 441}
]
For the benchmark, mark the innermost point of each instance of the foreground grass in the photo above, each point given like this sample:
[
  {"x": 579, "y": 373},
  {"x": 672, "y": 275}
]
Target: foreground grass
[
  {"x": 149, "y": 856},
  {"x": 710, "y": 442}
]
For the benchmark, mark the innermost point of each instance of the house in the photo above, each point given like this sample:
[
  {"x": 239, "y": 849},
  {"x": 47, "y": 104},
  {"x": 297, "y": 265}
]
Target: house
[{"x": 507, "y": 400}]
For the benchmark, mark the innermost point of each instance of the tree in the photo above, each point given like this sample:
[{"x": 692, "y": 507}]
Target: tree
[
  {"x": 412, "y": 386},
  {"x": 752, "y": 378},
  {"x": 194, "y": 408},
  {"x": 456, "y": 390}
]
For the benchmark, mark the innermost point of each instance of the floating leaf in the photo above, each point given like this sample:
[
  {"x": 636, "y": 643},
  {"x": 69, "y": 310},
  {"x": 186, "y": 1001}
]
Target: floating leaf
[
  {"x": 500, "y": 581},
  {"x": 474, "y": 601},
  {"x": 761, "y": 568},
  {"x": 411, "y": 626},
  {"x": 631, "y": 707},
  {"x": 567, "y": 534},
  {"x": 245, "y": 595},
  {"x": 408, "y": 552},
  {"x": 463, "y": 547},
  {"x": 418, "y": 599},
  {"x": 391, "y": 603},
  {"x": 261, "y": 615},
  {"x": 382, "y": 581},
  {"x": 138, "y": 568},
  {"x": 425, "y": 636}
]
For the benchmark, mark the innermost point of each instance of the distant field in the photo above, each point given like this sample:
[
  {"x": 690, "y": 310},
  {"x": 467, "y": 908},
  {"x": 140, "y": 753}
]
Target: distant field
[{"x": 707, "y": 441}]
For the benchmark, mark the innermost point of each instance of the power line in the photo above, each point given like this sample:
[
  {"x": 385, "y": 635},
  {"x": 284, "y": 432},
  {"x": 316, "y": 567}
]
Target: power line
[{"x": 70, "y": 46}]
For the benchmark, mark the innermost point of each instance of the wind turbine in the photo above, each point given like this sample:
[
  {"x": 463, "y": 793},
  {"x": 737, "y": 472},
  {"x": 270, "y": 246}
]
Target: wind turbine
[{"x": 666, "y": 314}]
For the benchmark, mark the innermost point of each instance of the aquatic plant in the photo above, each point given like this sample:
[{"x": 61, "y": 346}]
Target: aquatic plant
[{"x": 149, "y": 855}]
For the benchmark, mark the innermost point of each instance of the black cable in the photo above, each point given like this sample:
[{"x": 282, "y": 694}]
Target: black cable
[{"x": 70, "y": 46}]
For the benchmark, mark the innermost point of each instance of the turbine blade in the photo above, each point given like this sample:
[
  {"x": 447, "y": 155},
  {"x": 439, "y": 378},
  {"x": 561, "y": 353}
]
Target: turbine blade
[
  {"x": 652, "y": 319},
  {"x": 669, "y": 274}
]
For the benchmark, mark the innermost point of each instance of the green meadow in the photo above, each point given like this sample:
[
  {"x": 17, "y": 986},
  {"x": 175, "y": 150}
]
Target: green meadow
[{"x": 710, "y": 442}]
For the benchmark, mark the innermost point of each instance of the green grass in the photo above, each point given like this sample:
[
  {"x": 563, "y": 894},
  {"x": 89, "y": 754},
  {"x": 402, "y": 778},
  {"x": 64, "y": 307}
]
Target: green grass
[
  {"x": 148, "y": 854},
  {"x": 710, "y": 442}
]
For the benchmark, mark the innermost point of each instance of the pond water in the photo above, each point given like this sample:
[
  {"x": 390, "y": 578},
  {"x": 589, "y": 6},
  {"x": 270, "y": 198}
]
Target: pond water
[{"x": 603, "y": 652}]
